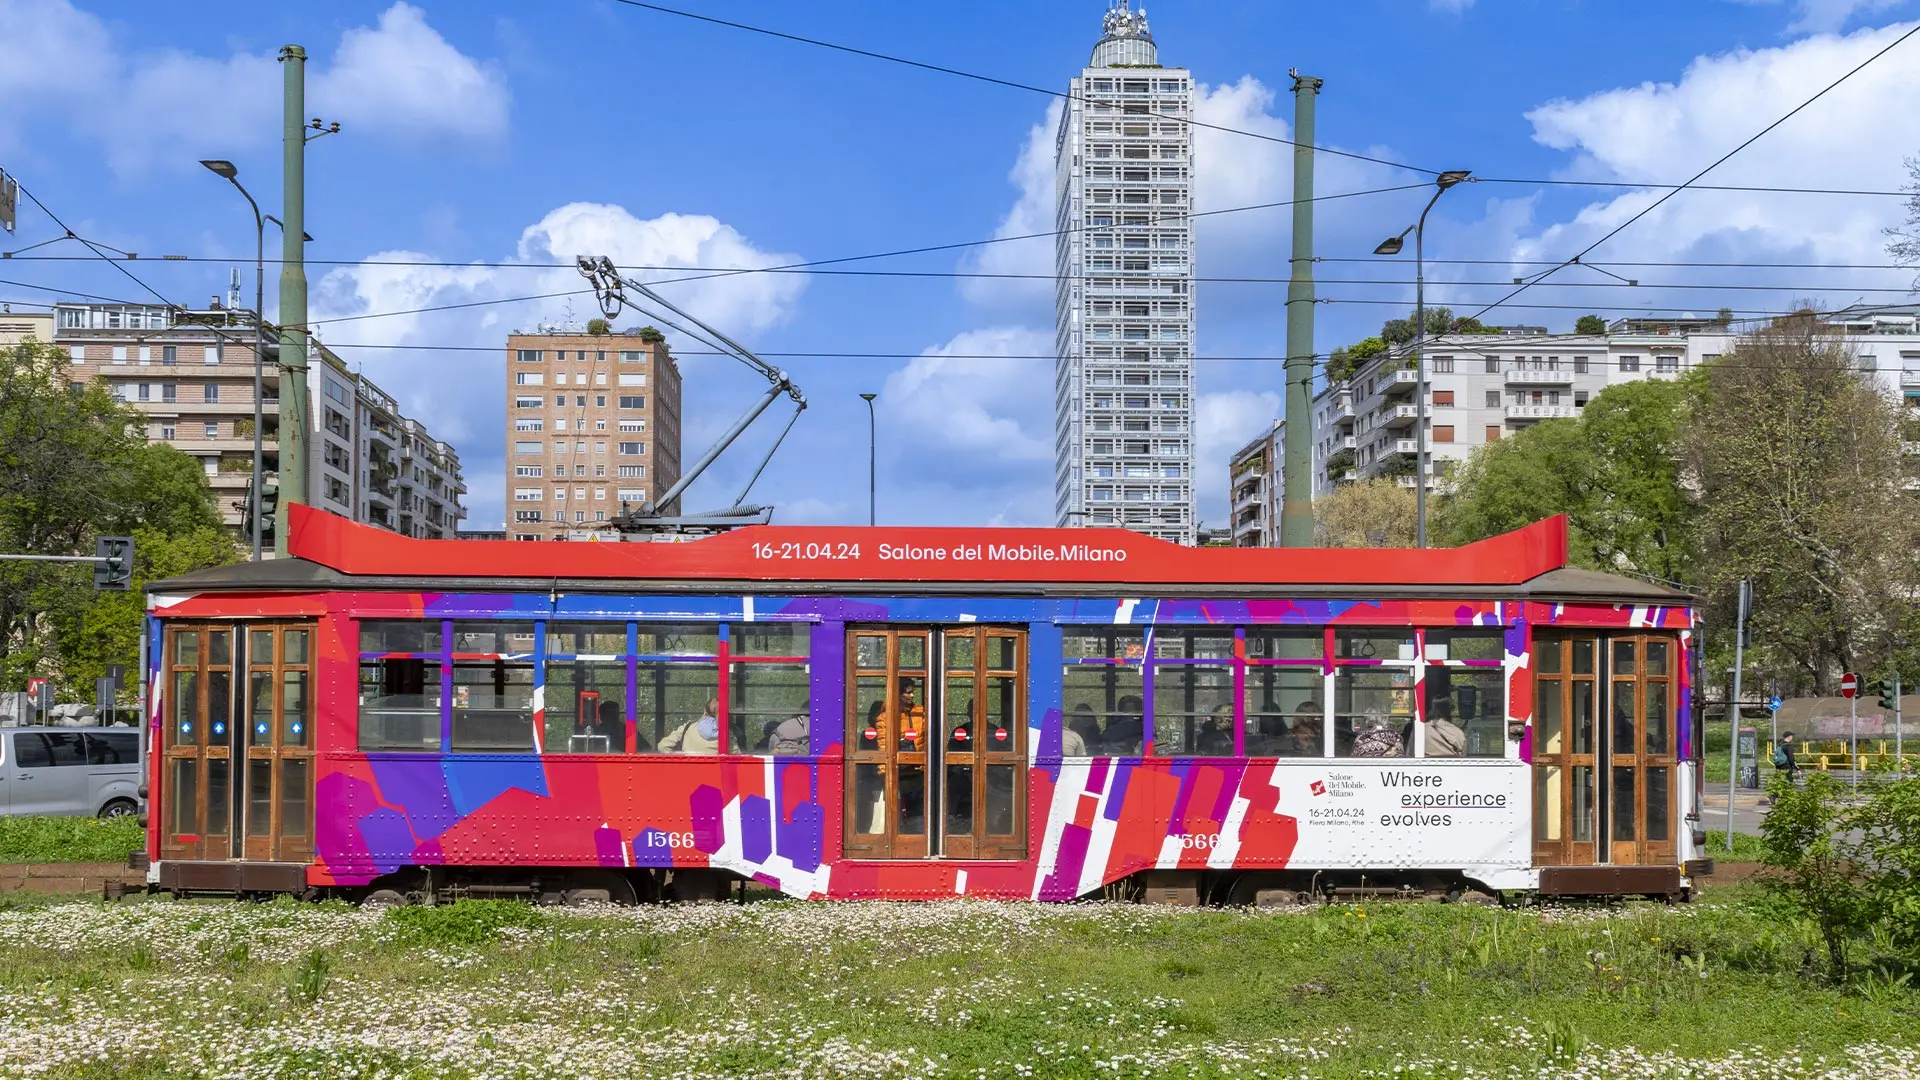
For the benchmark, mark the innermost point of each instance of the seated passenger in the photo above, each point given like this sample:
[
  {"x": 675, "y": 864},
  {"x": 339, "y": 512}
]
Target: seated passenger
[
  {"x": 1214, "y": 736},
  {"x": 1444, "y": 737},
  {"x": 1306, "y": 729},
  {"x": 613, "y": 725},
  {"x": 790, "y": 737},
  {"x": 1374, "y": 739},
  {"x": 1079, "y": 732},
  {"x": 700, "y": 736},
  {"x": 1126, "y": 729}
]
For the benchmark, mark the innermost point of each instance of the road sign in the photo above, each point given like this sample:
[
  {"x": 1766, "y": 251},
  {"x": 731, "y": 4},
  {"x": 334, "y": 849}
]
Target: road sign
[
  {"x": 9, "y": 200},
  {"x": 117, "y": 673},
  {"x": 41, "y": 691},
  {"x": 1849, "y": 685},
  {"x": 1773, "y": 704},
  {"x": 103, "y": 691}
]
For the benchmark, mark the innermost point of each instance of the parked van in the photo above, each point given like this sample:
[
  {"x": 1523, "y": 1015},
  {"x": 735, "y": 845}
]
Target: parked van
[{"x": 70, "y": 772}]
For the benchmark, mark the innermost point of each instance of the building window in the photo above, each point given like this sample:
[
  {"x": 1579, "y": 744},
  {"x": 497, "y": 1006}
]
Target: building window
[
  {"x": 119, "y": 354},
  {"x": 633, "y": 378},
  {"x": 529, "y": 378},
  {"x": 1493, "y": 365},
  {"x": 632, "y": 449},
  {"x": 530, "y": 356},
  {"x": 528, "y": 402},
  {"x": 169, "y": 355},
  {"x": 214, "y": 354},
  {"x": 210, "y": 430},
  {"x": 1579, "y": 365},
  {"x": 559, "y": 494},
  {"x": 1443, "y": 433},
  {"x": 579, "y": 515},
  {"x": 633, "y": 472},
  {"x": 526, "y": 494},
  {"x": 529, "y": 424},
  {"x": 633, "y": 402},
  {"x": 1443, "y": 365},
  {"x": 528, "y": 470},
  {"x": 526, "y": 517},
  {"x": 1629, "y": 363},
  {"x": 1493, "y": 399},
  {"x": 213, "y": 391},
  {"x": 1443, "y": 399},
  {"x": 1670, "y": 364},
  {"x": 528, "y": 447},
  {"x": 599, "y": 470},
  {"x": 1493, "y": 432},
  {"x": 633, "y": 356},
  {"x": 633, "y": 425},
  {"x": 1579, "y": 399},
  {"x": 167, "y": 431}
]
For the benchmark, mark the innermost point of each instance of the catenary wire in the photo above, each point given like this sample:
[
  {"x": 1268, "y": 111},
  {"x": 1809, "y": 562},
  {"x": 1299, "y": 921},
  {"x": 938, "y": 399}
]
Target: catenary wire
[{"x": 1717, "y": 162}]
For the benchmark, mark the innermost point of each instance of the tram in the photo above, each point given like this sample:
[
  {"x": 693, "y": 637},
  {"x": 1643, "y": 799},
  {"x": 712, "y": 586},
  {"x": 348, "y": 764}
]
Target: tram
[{"x": 913, "y": 714}]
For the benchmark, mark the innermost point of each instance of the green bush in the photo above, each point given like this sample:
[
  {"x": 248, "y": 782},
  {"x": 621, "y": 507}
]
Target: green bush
[
  {"x": 1851, "y": 869},
  {"x": 69, "y": 839}
]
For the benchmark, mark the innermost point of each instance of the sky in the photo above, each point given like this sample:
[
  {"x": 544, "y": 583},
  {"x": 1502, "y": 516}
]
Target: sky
[{"x": 485, "y": 141}]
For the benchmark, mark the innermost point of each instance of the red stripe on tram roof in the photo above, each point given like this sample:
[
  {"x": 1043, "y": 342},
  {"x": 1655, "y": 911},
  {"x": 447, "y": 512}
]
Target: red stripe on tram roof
[{"x": 859, "y": 553}]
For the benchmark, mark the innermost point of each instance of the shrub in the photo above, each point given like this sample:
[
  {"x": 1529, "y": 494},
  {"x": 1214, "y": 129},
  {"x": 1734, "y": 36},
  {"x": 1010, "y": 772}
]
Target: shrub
[{"x": 1805, "y": 837}]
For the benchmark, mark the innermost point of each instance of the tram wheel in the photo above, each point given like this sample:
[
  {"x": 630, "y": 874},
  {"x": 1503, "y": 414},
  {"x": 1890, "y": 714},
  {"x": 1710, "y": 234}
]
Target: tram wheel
[
  {"x": 598, "y": 888},
  {"x": 383, "y": 898}
]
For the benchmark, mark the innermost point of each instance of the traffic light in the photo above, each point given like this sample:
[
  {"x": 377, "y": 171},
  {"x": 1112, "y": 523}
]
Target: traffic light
[
  {"x": 1889, "y": 691},
  {"x": 113, "y": 563},
  {"x": 269, "y": 502}
]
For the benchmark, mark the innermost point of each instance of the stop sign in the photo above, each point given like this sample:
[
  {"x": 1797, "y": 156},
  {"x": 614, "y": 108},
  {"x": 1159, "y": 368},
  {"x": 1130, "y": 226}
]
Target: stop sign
[{"x": 1849, "y": 684}]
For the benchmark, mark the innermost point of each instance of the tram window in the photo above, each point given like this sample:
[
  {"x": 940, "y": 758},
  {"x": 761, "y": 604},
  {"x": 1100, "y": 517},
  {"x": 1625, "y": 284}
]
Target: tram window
[
  {"x": 1304, "y": 644},
  {"x": 586, "y": 709},
  {"x": 1373, "y": 644},
  {"x": 493, "y": 705},
  {"x": 586, "y": 639},
  {"x": 1192, "y": 710},
  {"x": 1286, "y": 716},
  {"x": 400, "y": 703},
  {"x": 1466, "y": 712},
  {"x": 1095, "y": 643},
  {"x": 1481, "y": 645},
  {"x": 679, "y": 639},
  {"x": 671, "y": 695},
  {"x": 761, "y": 697},
  {"x": 1111, "y": 695},
  {"x": 1193, "y": 645},
  {"x": 771, "y": 640},
  {"x": 1373, "y": 711},
  {"x": 400, "y": 637}
]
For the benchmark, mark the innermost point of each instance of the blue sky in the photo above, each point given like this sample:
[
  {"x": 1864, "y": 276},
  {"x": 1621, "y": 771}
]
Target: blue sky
[{"x": 485, "y": 132}]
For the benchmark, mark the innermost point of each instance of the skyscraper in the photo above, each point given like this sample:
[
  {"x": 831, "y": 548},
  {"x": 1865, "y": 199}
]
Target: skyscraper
[{"x": 1123, "y": 380}]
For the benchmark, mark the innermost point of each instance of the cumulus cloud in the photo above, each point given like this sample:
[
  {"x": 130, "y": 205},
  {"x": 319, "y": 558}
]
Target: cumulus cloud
[
  {"x": 1224, "y": 421},
  {"x": 399, "y": 77},
  {"x": 461, "y": 395},
  {"x": 1827, "y": 16},
  {"x": 984, "y": 395},
  {"x": 1032, "y": 213}
]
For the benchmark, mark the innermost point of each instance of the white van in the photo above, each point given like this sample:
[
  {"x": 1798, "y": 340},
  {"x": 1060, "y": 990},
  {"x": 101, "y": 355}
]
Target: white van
[{"x": 70, "y": 772}]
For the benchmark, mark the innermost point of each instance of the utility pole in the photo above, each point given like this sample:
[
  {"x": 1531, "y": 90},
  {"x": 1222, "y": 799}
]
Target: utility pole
[
  {"x": 293, "y": 294},
  {"x": 1296, "y": 507},
  {"x": 1733, "y": 707}
]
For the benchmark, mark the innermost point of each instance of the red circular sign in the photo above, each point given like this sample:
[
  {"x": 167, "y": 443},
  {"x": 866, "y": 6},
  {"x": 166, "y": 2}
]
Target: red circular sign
[
  {"x": 960, "y": 735},
  {"x": 871, "y": 733},
  {"x": 1000, "y": 734},
  {"x": 1849, "y": 684}
]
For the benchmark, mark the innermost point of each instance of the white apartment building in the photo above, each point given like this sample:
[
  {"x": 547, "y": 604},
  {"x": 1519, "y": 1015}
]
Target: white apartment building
[
  {"x": 195, "y": 383},
  {"x": 1483, "y": 387},
  {"x": 1258, "y": 488},
  {"x": 1124, "y": 377},
  {"x": 19, "y": 326}
]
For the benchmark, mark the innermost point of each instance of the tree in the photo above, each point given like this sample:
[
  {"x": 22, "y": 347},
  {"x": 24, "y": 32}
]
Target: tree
[
  {"x": 1372, "y": 513},
  {"x": 1903, "y": 240},
  {"x": 1343, "y": 362},
  {"x": 599, "y": 327},
  {"x": 1614, "y": 472},
  {"x": 1589, "y": 324},
  {"x": 1400, "y": 331},
  {"x": 1803, "y": 488},
  {"x": 74, "y": 465},
  {"x": 652, "y": 335}
]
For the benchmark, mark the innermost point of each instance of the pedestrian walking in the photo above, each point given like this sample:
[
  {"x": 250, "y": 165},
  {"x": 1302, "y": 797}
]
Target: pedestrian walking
[{"x": 1784, "y": 760}]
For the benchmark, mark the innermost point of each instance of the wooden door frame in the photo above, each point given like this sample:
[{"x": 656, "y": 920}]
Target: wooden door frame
[
  {"x": 981, "y": 756},
  {"x": 279, "y": 840}
]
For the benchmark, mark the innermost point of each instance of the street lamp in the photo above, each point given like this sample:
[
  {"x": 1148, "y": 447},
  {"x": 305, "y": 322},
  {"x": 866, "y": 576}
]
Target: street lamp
[
  {"x": 227, "y": 170},
  {"x": 872, "y": 474},
  {"x": 1392, "y": 246}
]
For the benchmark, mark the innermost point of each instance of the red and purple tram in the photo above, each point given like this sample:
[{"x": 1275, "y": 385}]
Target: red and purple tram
[{"x": 876, "y": 713}]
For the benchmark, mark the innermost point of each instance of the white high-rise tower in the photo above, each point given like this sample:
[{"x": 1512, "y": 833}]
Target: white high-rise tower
[{"x": 1123, "y": 380}]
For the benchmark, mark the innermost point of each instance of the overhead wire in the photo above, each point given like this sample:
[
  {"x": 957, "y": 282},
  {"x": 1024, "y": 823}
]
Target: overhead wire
[{"x": 1716, "y": 163}]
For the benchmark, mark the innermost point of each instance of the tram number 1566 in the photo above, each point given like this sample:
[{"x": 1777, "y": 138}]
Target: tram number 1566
[{"x": 669, "y": 839}]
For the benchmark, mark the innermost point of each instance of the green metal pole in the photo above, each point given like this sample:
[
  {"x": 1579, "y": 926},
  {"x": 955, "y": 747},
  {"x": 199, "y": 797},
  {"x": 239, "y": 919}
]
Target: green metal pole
[
  {"x": 293, "y": 295},
  {"x": 1296, "y": 508}
]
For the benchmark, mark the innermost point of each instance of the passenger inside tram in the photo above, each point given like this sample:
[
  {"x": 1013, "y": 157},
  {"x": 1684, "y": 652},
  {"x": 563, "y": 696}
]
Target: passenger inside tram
[
  {"x": 1081, "y": 733},
  {"x": 1126, "y": 727},
  {"x": 1444, "y": 737},
  {"x": 790, "y": 737},
  {"x": 701, "y": 736},
  {"x": 1215, "y": 737},
  {"x": 1307, "y": 730},
  {"x": 612, "y": 727},
  {"x": 1372, "y": 738}
]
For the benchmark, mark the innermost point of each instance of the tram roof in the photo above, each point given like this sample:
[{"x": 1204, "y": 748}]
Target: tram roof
[{"x": 331, "y": 553}]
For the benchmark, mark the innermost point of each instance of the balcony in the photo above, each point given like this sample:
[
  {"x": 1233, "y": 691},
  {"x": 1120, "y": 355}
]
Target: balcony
[
  {"x": 1348, "y": 442},
  {"x": 1531, "y": 377},
  {"x": 1541, "y": 412},
  {"x": 1404, "y": 379},
  {"x": 1399, "y": 416},
  {"x": 1392, "y": 447},
  {"x": 1910, "y": 379}
]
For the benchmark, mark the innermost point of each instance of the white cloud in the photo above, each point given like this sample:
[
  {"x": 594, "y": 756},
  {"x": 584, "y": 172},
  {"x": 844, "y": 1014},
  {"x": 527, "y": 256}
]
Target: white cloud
[
  {"x": 982, "y": 395},
  {"x": 400, "y": 77},
  {"x": 461, "y": 395},
  {"x": 1224, "y": 421},
  {"x": 1033, "y": 175},
  {"x": 1827, "y": 16}
]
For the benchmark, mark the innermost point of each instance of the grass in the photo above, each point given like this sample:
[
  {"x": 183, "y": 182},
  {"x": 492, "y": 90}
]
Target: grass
[
  {"x": 1746, "y": 847},
  {"x": 69, "y": 839},
  {"x": 159, "y": 989}
]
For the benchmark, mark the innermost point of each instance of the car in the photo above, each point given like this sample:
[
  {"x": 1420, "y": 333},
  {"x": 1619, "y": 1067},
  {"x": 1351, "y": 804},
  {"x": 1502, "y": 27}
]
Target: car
[{"x": 70, "y": 772}]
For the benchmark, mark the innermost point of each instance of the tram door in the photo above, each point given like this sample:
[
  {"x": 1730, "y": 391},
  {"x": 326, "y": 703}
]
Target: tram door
[
  {"x": 1605, "y": 709},
  {"x": 236, "y": 778},
  {"x": 936, "y": 743}
]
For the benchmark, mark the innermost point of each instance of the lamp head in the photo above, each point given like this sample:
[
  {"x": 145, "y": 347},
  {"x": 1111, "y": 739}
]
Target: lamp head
[
  {"x": 1390, "y": 246},
  {"x": 869, "y": 397},
  {"x": 222, "y": 168},
  {"x": 1451, "y": 177}
]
